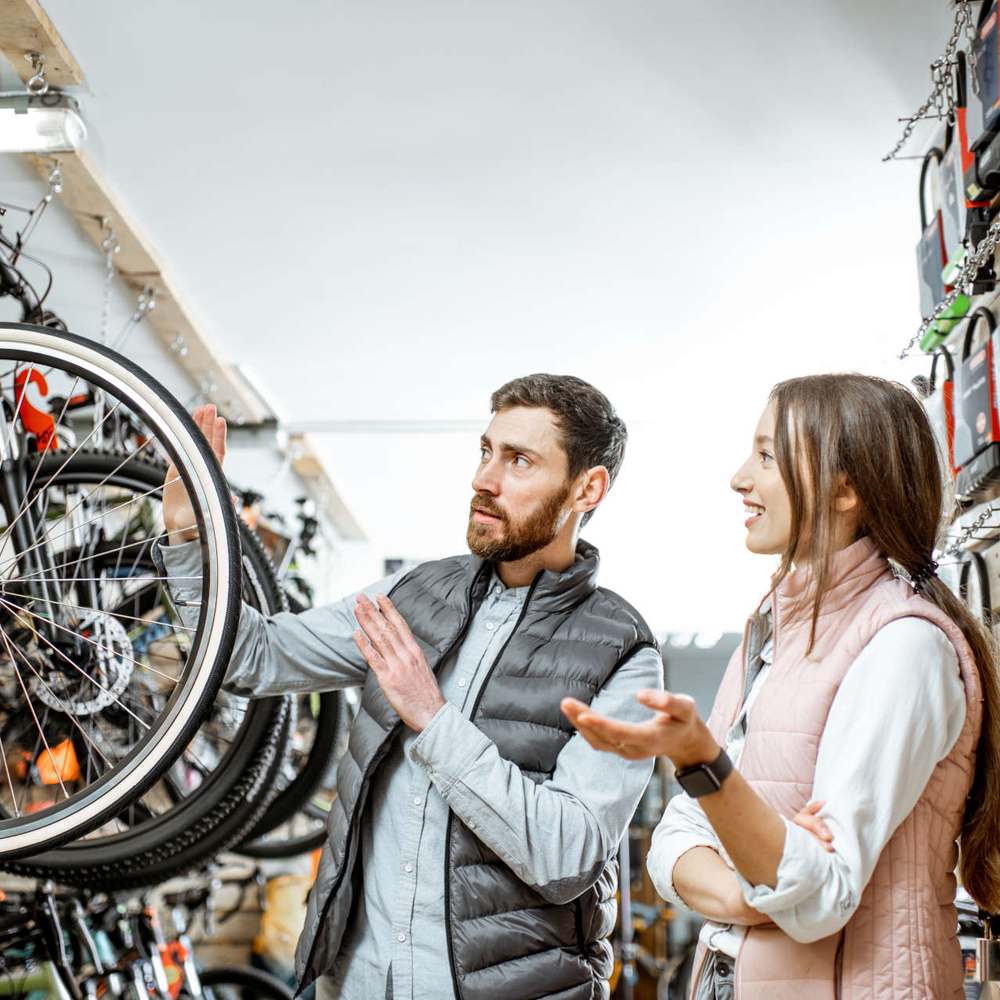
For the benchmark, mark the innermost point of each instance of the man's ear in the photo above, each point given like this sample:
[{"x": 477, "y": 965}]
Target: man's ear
[{"x": 592, "y": 487}]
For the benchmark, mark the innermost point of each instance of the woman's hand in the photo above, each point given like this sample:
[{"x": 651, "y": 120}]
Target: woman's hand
[
  {"x": 808, "y": 820},
  {"x": 675, "y": 731}
]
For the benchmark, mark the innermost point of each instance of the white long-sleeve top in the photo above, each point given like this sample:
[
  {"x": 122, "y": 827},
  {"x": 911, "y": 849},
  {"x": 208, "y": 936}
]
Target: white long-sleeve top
[{"x": 898, "y": 711}]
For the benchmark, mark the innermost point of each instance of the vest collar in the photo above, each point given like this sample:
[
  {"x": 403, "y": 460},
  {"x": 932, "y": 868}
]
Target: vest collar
[
  {"x": 550, "y": 590},
  {"x": 852, "y": 571}
]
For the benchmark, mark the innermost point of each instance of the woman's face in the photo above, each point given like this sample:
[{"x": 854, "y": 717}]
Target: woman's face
[{"x": 765, "y": 499}]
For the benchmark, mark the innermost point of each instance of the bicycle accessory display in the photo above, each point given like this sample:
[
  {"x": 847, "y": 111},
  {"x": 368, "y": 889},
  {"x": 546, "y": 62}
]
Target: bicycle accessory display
[
  {"x": 703, "y": 779},
  {"x": 977, "y": 425},
  {"x": 930, "y": 249},
  {"x": 940, "y": 407},
  {"x": 965, "y": 219}
]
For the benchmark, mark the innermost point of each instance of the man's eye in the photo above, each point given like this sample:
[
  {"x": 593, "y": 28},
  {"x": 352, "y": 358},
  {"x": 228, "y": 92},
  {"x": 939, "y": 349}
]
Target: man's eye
[
  {"x": 521, "y": 459},
  {"x": 483, "y": 454}
]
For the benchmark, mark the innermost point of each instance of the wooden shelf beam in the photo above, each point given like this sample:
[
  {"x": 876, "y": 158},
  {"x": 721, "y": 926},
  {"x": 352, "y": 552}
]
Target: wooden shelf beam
[{"x": 25, "y": 27}]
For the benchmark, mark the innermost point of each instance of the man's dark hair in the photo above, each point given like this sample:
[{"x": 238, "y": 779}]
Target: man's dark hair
[{"x": 592, "y": 433}]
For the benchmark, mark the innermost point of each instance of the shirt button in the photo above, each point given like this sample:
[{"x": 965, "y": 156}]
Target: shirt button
[
  {"x": 472, "y": 826},
  {"x": 409, "y": 868},
  {"x": 461, "y": 683},
  {"x": 400, "y": 938},
  {"x": 498, "y": 590},
  {"x": 416, "y": 801},
  {"x": 489, "y": 626}
]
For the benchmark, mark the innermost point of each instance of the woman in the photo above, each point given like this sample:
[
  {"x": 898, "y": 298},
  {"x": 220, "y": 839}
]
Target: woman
[{"x": 861, "y": 683}]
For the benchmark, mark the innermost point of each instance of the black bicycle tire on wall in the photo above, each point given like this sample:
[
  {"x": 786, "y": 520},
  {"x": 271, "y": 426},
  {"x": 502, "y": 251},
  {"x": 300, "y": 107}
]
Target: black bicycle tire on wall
[{"x": 245, "y": 977}]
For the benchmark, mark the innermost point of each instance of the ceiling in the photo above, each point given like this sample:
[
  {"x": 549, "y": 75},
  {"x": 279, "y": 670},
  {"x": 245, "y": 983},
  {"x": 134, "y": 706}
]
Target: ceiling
[{"x": 384, "y": 210}]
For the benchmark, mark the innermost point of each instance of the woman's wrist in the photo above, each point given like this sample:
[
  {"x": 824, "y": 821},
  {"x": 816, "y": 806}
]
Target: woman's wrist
[{"x": 702, "y": 750}]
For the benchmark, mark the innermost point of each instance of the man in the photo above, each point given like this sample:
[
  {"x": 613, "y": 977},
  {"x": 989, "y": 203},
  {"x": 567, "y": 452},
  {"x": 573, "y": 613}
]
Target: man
[{"x": 472, "y": 847}]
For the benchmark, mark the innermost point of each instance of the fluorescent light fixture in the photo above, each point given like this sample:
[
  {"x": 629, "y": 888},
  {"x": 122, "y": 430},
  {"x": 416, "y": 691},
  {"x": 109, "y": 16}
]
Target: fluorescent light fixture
[{"x": 46, "y": 123}]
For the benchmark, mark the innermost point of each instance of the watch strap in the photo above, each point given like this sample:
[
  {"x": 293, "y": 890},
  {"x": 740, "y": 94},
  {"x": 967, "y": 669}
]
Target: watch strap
[{"x": 703, "y": 779}]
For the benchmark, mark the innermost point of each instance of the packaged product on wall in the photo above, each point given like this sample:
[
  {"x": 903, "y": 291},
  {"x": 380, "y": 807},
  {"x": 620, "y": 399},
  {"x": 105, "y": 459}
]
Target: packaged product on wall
[
  {"x": 977, "y": 423},
  {"x": 940, "y": 407}
]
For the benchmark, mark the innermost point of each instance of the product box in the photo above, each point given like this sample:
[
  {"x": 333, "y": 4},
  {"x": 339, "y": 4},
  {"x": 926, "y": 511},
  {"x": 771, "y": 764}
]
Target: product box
[
  {"x": 930, "y": 264},
  {"x": 940, "y": 407},
  {"x": 951, "y": 184},
  {"x": 976, "y": 421},
  {"x": 986, "y": 56}
]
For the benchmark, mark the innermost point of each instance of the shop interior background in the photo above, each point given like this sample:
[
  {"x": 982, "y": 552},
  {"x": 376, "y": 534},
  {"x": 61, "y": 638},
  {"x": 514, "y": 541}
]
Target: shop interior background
[{"x": 383, "y": 211}]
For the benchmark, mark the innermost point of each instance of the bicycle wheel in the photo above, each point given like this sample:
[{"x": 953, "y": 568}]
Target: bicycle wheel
[
  {"x": 320, "y": 738},
  {"x": 221, "y": 783},
  {"x": 56, "y": 641},
  {"x": 231, "y": 982}
]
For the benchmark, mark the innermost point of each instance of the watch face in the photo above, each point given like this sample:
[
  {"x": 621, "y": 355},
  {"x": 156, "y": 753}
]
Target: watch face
[{"x": 699, "y": 782}]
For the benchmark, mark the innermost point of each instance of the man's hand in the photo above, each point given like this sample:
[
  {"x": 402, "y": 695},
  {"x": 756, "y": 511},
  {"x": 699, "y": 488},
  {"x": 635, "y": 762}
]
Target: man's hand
[
  {"x": 675, "y": 731},
  {"x": 178, "y": 514},
  {"x": 387, "y": 643}
]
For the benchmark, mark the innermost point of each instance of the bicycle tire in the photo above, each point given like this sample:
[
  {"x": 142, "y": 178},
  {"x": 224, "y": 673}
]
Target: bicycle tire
[
  {"x": 331, "y": 721},
  {"x": 76, "y": 358},
  {"x": 236, "y": 794},
  {"x": 261, "y": 983}
]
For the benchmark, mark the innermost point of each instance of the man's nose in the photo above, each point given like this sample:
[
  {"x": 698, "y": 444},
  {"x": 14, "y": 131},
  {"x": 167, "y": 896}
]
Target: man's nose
[{"x": 486, "y": 479}]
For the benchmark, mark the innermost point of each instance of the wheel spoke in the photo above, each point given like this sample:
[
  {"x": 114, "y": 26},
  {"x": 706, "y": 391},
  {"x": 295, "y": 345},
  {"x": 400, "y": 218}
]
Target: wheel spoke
[
  {"x": 76, "y": 666},
  {"x": 24, "y": 503},
  {"x": 27, "y": 698},
  {"x": 48, "y": 539}
]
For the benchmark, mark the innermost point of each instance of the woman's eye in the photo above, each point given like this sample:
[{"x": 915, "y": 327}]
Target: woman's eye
[{"x": 766, "y": 456}]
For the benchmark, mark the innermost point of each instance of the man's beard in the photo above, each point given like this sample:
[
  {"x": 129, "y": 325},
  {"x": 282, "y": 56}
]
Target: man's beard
[{"x": 518, "y": 539}]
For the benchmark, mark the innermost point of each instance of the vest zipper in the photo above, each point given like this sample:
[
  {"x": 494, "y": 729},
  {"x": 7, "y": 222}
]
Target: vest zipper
[
  {"x": 351, "y": 833},
  {"x": 451, "y": 815},
  {"x": 376, "y": 758},
  {"x": 838, "y": 968}
]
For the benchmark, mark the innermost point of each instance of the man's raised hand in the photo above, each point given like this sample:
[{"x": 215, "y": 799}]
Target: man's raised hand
[{"x": 178, "y": 514}]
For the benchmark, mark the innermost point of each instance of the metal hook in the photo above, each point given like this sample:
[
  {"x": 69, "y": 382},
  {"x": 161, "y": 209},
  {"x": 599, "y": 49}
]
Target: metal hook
[
  {"x": 55, "y": 180},
  {"x": 37, "y": 85}
]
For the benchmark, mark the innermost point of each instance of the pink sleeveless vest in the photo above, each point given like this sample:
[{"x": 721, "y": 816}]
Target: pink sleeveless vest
[{"x": 901, "y": 942}]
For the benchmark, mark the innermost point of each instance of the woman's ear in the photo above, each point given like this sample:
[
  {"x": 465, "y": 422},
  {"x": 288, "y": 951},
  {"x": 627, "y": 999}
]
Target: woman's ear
[{"x": 846, "y": 498}]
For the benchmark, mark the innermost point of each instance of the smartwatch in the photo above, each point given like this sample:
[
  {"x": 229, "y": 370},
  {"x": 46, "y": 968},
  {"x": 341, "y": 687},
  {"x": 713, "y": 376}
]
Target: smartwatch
[{"x": 703, "y": 779}]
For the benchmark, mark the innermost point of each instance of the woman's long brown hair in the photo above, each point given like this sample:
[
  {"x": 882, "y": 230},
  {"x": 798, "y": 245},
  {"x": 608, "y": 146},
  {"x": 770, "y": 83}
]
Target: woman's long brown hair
[{"x": 875, "y": 435}]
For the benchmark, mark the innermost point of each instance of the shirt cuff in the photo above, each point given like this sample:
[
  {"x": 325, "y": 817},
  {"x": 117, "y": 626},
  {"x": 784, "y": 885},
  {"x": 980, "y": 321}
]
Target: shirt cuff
[
  {"x": 182, "y": 560},
  {"x": 447, "y": 746},
  {"x": 802, "y": 870},
  {"x": 660, "y": 864}
]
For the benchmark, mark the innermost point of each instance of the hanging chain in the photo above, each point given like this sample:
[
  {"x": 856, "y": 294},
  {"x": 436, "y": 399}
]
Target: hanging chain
[
  {"x": 976, "y": 259},
  {"x": 145, "y": 302},
  {"x": 110, "y": 246},
  {"x": 970, "y": 38},
  {"x": 942, "y": 97},
  {"x": 968, "y": 533},
  {"x": 55, "y": 187}
]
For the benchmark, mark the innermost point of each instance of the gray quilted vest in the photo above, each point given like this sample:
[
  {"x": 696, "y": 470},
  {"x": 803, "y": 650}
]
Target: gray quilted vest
[{"x": 506, "y": 942}]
